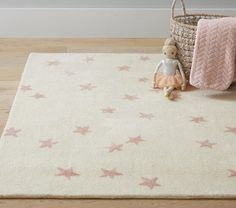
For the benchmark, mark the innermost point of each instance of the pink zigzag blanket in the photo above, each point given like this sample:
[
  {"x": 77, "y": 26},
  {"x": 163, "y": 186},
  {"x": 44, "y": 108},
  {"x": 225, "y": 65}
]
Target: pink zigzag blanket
[{"x": 214, "y": 62}]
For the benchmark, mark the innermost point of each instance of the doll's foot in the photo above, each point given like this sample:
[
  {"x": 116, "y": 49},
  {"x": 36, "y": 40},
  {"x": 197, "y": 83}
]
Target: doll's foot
[
  {"x": 166, "y": 94},
  {"x": 171, "y": 96},
  {"x": 168, "y": 91}
]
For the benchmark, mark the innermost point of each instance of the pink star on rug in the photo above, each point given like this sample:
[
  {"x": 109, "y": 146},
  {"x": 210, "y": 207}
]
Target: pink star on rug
[
  {"x": 124, "y": 68},
  {"x": 82, "y": 130},
  {"x": 12, "y": 132},
  {"x": 53, "y": 63},
  {"x": 108, "y": 110},
  {"x": 143, "y": 79},
  {"x": 130, "y": 97},
  {"x": 149, "y": 182},
  {"x": 206, "y": 143},
  {"x": 25, "y": 88},
  {"x": 38, "y": 95},
  {"x": 148, "y": 116},
  {"x": 135, "y": 140},
  {"x": 231, "y": 130},
  {"x": 115, "y": 147},
  {"x": 198, "y": 119},
  {"x": 144, "y": 58},
  {"x": 89, "y": 59},
  {"x": 87, "y": 87},
  {"x": 110, "y": 173},
  {"x": 68, "y": 173},
  {"x": 47, "y": 143},
  {"x": 232, "y": 173}
]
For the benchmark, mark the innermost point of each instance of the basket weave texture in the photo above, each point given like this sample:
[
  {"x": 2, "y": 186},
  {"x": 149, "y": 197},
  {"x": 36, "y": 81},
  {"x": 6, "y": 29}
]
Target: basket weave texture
[{"x": 183, "y": 31}]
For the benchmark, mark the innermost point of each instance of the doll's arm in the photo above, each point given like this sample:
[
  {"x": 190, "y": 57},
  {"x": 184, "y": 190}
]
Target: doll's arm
[
  {"x": 155, "y": 73},
  {"x": 182, "y": 74},
  {"x": 158, "y": 67}
]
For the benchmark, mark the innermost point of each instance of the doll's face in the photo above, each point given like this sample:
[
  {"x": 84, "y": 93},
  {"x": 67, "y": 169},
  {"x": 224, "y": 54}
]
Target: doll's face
[{"x": 169, "y": 52}]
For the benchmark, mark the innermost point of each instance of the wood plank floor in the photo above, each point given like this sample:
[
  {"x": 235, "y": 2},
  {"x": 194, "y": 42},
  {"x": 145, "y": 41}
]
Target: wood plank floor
[{"x": 13, "y": 55}]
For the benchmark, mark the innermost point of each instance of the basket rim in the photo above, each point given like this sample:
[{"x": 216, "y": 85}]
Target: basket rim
[
  {"x": 200, "y": 14},
  {"x": 174, "y": 19}
]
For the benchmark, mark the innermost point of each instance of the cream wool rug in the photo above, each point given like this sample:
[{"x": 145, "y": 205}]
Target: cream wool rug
[{"x": 90, "y": 125}]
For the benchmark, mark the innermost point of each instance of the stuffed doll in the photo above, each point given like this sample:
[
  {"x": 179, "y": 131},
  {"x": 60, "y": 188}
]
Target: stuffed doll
[{"x": 171, "y": 76}]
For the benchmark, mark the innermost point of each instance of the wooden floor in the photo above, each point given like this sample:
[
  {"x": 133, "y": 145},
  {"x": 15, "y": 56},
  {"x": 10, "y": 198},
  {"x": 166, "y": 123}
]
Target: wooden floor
[{"x": 13, "y": 55}]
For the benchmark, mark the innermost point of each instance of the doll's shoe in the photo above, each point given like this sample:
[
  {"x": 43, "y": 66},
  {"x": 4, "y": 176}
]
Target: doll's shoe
[
  {"x": 166, "y": 94},
  {"x": 171, "y": 96}
]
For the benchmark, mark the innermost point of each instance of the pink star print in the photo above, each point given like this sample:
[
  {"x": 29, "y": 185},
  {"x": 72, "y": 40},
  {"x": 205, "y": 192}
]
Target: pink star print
[
  {"x": 53, "y": 63},
  {"x": 82, "y": 130},
  {"x": 115, "y": 147},
  {"x": 38, "y": 95},
  {"x": 12, "y": 132},
  {"x": 148, "y": 116},
  {"x": 108, "y": 110},
  {"x": 232, "y": 173},
  {"x": 130, "y": 97},
  {"x": 47, "y": 143},
  {"x": 144, "y": 58},
  {"x": 124, "y": 68},
  {"x": 143, "y": 79},
  {"x": 149, "y": 182},
  {"x": 206, "y": 143},
  {"x": 110, "y": 173},
  {"x": 198, "y": 119},
  {"x": 87, "y": 87},
  {"x": 89, "y": 59},
  {"x": 25, "y": 88},
  {"x": 231, "y": 130},
  {"x": 135, "y": 140},
  {"x": 68, "y": 173}
]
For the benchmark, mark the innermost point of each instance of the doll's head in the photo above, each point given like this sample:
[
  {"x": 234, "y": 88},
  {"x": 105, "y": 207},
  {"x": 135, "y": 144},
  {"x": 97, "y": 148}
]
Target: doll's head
[{"x": 169, "y": 49}]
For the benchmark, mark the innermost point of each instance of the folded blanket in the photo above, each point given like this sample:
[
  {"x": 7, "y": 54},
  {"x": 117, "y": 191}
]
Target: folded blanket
[{"x": 214, "y": 58}]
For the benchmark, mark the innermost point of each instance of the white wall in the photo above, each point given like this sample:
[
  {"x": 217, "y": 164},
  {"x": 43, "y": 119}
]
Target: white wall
[
  {"x": 97, "y": 18},
  {"x": 115, "y": 3}
]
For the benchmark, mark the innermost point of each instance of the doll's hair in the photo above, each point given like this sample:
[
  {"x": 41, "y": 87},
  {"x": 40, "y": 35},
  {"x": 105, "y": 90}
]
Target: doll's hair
[{"x": 169, "y": 43}]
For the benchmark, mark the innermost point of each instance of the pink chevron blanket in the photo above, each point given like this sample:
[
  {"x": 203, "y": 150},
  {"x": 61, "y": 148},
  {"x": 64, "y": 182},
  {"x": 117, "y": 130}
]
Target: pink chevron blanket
[{"x": 214, "y": 62}]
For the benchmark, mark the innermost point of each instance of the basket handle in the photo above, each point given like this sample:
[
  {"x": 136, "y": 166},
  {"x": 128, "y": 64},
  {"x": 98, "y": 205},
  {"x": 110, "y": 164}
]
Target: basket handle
[{"x": 173, "y": 8}]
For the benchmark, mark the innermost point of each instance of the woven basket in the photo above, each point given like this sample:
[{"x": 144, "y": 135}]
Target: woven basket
[{"x": 183, "y": 31}]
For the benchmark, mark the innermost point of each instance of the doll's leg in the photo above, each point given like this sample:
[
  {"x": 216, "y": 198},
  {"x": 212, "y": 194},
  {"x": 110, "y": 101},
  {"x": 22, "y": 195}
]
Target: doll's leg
[
  {"x": 155, "y": 86},
  {"x": 166, "y": 93},
  {"x": 170, "y": 89},
  {"x": 169, "y": 92}
]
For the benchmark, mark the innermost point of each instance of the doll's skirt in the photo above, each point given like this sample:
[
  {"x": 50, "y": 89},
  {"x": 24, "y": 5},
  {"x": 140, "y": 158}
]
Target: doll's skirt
[{"x": 162, "y": 80}]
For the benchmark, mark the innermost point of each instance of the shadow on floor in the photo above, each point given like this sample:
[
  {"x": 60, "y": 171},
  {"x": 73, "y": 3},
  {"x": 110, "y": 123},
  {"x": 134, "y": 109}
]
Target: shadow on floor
[{"x": 229, "y": 95}]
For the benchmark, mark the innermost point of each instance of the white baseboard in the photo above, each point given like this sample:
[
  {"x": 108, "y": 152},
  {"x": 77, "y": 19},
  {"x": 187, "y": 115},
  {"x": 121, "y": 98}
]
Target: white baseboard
[{"x": 89, "y": 22}]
